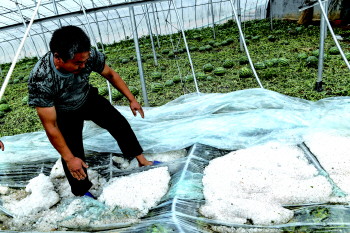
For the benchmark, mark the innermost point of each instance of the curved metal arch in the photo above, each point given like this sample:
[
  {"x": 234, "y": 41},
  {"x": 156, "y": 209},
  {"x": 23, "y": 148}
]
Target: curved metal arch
[
  {"x": 121, "y": 21},
  {"x": 67, "y": 11},
  {"x": 3, "y": 51},
  {"x": 26, "y": 7},
  {"x": 108, "y": 24},
  {"x": 98, "y": 26},
  {"x": 14, "y": 51}
]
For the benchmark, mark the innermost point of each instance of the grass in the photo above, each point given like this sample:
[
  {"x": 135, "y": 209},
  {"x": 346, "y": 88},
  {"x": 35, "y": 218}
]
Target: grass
[{"x": 287, "y": 40}]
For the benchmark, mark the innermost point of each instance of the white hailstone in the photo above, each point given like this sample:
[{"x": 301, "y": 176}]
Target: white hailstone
[
  {"x": 97, "y": 182},
  {"x": 239, "y": 210},
  {"x": 75, "y": 206},
  {"x": 62, "y": 186},
  {"x": 332, "y": 151},
  {"x": 223, "y": 229},
  {"x": 46, "y": 221},
  {"x": 125, "y": 165},
  {"x": 4, "y": 190},
  {"x": 118, "y": 159},
  {"x": 140, "y": 191},
  {"x": 273, "y": 173},
  {"x": 57, "y": 170},
  {"x": 42, "y": 196}
]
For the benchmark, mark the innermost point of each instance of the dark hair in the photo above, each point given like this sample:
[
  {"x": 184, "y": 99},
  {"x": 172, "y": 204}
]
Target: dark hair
[{"x": 69, "y": 40}]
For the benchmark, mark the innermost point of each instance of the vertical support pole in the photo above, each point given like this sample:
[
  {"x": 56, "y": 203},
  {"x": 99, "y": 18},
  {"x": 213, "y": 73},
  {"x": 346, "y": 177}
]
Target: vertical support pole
[
  {"x": 212, "y": 17},
  {"x": 148, "y": 22},
  {"x": 98, "y": 27},
  {"x": 42, "y": 31},
  {"x": 25, "y": 27},
  {"x": 88, "y": 22},
  {"x": 239, "y": 18},
  {"x": 333, "y": 35},
  {"x": 56, "y": 11},
  {"x": 271, "y": 15},
  {"x": 158, "y": 23},
  {"x": 138, "y": 55},
  {"x": 323, "y": 31},
  {"x": 186, "y": 45},
  {"x": 195, "y": 12},
  {"x": 94, "y": 41},
  {"x": 155, "y": 24}
]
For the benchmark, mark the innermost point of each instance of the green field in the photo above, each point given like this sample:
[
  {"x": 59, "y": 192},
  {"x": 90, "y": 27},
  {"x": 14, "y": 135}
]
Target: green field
[{"x": 283, "y": 57}]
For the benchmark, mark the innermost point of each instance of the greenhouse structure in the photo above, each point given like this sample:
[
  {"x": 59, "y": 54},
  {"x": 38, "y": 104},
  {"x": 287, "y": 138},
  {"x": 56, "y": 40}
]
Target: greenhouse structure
[{"x": 246, "y": 107}]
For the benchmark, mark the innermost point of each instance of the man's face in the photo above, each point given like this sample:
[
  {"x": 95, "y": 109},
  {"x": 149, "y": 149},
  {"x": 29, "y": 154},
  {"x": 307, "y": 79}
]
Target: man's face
[{"x": 74, "y": 65}]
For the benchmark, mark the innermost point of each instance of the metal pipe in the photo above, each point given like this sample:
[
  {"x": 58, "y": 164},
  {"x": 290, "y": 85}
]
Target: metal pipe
[
  {"x": 186, "y": 45},
  {"x": 148, "y": 22},
  {"x": 14, "y": 50},
  {"x": 56, "y": 11},
  {"x": 245, "y": 45},
  {"x": 195, "y": 13},
  {"x": 271, "y": 16},
  {"x": 160, "y": 28},
  {"x": 212, "y": 18},
  {"x": 239, "y": 18},
  {"x": 95, "y": 43},
  {"x": 3, "y": 51},
  {"x": 333, "y": 35},
  {"x": 42, "y": 32},
  {"x": 90, "y": 29},
  {"x": 155, "y": 25},
  {"x": 138, "y": 55},
  {"x": 323, "y": 29},
  {"x": 97, "y": 9},
  {"x": 25, "y": 26},
  {"x": 98, "y": 27},
  {"x": 12, "y": 67}
]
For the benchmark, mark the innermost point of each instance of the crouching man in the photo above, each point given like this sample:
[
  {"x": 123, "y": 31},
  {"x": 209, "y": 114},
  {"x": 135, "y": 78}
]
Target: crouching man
[{"x": 59, "y": 89}]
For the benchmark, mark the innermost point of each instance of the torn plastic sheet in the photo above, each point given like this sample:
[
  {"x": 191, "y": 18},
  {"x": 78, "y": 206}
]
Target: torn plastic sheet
[{"x": 223, "y": 123}]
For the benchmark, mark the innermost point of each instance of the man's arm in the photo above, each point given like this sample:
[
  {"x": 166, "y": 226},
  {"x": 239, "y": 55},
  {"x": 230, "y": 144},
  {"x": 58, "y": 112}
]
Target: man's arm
[
  {"x": 115, "y": 79},
  {"x": 75, "y": 165},
  {"x": 2, "y": 147}
]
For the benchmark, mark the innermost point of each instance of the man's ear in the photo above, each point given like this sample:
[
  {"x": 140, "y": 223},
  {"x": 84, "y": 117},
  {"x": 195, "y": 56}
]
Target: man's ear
[
  {"x": 55, "y": 55},
  {"x": 57, "y": 60}
]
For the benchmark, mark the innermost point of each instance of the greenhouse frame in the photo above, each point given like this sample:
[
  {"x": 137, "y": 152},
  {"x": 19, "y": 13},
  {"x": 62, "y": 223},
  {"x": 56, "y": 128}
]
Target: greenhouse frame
[{"x": 246, "y": 106}]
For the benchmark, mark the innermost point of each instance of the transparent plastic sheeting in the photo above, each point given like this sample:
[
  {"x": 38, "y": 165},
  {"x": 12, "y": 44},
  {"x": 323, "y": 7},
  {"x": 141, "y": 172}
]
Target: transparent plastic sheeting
[
  {"x": 178, "y": 210},
  {"x": 226, "y": 121},
  {"x": 208, "y": 126}
]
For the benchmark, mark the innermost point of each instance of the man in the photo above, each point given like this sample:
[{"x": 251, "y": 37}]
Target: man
[{"x": 59, "y": 89}]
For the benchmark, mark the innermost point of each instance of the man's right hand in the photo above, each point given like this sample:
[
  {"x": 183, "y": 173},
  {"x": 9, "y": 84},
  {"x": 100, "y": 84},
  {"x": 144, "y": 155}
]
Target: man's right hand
[
  {"x": 75, "y": 166},
  {"x": 48, "y": 118}
]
